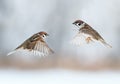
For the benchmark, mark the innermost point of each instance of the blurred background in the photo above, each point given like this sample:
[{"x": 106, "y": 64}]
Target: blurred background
[{"x": 86, "y": 64}]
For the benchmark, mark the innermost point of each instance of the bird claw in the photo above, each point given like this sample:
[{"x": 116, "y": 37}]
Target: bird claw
[{"x": 88, "y": 40}]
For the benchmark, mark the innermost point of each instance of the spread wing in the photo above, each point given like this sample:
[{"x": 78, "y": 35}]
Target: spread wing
[
  {"x": 42, "y": 47},
  {"x": 33, "y": 47},
  {"x": 79, "y": 39}
]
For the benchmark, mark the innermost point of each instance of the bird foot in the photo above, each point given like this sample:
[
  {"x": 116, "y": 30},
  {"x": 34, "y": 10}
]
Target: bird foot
[{"x": 88, "y": 40}]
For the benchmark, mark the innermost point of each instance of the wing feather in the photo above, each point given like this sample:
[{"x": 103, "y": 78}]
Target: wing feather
[
  {"x": 80, "y": 39},
  {"x": 40, "y": 49},
  {"x": 43, "y": 47},
  {"x": 90, "y": 31}
]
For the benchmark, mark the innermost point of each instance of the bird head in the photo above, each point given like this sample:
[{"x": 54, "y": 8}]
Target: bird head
[
  {"x": 78, "y": 23},
  {"x": 43, "y": 34}
]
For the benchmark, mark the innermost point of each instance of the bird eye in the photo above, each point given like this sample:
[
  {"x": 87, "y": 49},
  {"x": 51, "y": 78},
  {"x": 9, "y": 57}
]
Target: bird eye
[
  {"x": 78, "y": 24},
  {"x": 44, "y": 36}
]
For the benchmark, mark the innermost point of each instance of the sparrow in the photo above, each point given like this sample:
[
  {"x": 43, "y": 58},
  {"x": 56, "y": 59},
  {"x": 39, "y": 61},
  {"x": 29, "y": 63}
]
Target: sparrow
[
  {"x": 89, "y": 34},
  {"x": 35, "y": 45}
]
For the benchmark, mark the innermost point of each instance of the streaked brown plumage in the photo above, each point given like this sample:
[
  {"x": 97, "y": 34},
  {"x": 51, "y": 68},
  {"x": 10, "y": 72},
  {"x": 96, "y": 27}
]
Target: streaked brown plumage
[
  {"x": 35, "y": 44},
  {"x": 92, "y": 34}
]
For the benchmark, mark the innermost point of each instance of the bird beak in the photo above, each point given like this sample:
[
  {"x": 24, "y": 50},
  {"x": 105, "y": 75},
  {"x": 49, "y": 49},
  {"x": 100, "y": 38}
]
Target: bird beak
[
  {"x": 73, "y": 23},
  {"x": 47, "y": 34}
]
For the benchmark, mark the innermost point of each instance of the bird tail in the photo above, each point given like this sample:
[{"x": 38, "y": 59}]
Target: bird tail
[
  {"x": 10, "y": 53},
  {"x": 104, "y": 43}
]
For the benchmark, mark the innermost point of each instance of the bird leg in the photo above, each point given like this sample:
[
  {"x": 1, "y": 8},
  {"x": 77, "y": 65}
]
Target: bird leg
[{"x": 88, "y": 39}]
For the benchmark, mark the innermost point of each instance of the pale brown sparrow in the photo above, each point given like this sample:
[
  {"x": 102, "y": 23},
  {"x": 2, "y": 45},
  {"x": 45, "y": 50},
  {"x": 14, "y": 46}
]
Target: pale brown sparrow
[
  {"x": 88, "y": 33},
  {"x": 35, "y": 45}
]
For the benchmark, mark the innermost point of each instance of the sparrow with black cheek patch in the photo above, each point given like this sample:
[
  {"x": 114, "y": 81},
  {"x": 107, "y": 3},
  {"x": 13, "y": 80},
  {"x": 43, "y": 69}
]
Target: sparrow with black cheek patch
[
  {"x": 89, "y": 33},
  {"x": 35, "y": 45}
]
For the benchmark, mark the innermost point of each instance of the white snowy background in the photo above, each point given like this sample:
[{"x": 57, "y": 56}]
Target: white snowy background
[{"x": 58, "y": 77}]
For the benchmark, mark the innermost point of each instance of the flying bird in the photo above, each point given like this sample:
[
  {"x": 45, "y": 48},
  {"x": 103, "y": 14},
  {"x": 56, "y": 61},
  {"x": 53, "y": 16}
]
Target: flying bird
[
  {"x": 35, "y": 45},
  {"x": 89, "y": 34}
]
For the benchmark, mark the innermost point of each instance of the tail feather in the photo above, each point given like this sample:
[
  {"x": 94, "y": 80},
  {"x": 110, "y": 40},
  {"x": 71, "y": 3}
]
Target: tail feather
[
  {"x": 14, "y": 51},
  {"x": 106, "y": 44},
  {"x": 10, "y": 53}
]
